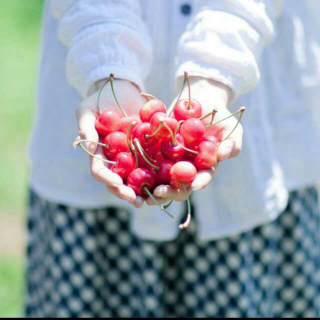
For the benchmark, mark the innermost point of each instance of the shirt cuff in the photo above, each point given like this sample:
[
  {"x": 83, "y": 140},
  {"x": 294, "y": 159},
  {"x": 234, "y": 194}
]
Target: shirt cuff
[
  {"x": 104, "y": 71},
  {"x": 214, "y": 73}
]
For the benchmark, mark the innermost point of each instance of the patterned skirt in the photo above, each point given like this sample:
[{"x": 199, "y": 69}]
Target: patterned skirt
[{"x": 87, "y": 263}]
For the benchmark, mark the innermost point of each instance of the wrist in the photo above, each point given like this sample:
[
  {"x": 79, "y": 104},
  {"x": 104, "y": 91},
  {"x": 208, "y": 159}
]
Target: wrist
[{"x": 215, "y": 92}]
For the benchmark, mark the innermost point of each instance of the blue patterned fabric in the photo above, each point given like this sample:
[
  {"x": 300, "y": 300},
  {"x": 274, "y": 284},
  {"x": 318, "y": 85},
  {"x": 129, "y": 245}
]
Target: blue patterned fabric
[{"x": 87, "y": 263}]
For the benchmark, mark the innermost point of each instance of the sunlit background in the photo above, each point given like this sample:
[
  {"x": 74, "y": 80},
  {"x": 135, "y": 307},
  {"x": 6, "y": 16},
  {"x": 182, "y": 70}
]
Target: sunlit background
[{"x": 19, "y": 50}]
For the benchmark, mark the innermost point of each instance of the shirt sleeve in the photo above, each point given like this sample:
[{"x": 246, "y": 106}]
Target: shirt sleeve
[
  {"x": 224, "y": 40},
  {"x": 103, "y": 36}
]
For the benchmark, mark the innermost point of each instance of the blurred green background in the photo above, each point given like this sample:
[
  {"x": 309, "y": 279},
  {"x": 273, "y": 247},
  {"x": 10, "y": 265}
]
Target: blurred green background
[{"x": 19, "y": 37}]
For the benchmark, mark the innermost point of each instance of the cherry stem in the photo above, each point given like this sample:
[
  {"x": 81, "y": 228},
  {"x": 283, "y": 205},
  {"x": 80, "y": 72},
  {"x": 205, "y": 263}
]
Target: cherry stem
[
  {"x": 77, "y": 143},
  {"x": 168, "y": 205},
  {"x": 99, "y": 94},
  {"x": 163, "y": 208},
  {"x": 136, "y": 156},
  {"x": 142, "y": 152},
  {"x": 187, "y": 149},
  {"x": 176, "y": 131},
  {"x": 147, "y": 96},
  {"x": 232, "y": 115},
  {"x": 178, "y": 99},
  {"x": 155, "y": 132},
  {"x": 186, "y": 224},
  {"x": 189, "y": 89},
  {"x": 178, "y": 143},
  {"x": 128, "y": 134},
  {"x": 212, "y": 114},
  {"x": 241, "y": 113},
  {"x": 170, "y": 131},
  {"x": 111, "y": 77}
]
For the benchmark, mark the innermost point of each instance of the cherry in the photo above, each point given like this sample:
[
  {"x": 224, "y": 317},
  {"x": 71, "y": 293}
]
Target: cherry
[
  {"x": 125, "y": 163},
  {"x": 187, "y": 109},
  {"x": 215, "y": 131},
  {"x": 139, "y": 179},
  {"x": 182, "y": 173},
  {"x": 108, "y": 121},
  {"x": 208, "y": 155},
  {"x": 141, "y": 132},
  {"x": 142, "y": 162},
  {"x": 193, "y": 131},
  {"x": 212, "y": 138},
  {"x": 150, "y": 108},
  {"x": 126, "y": 121},
  {"x": 160, "y": 130},
  {"x": 163, "y": 175},
  {"x": 154, "y": 150},
  {"x": 172, "y": 151},
  {"x": 116, "y": 142},
  {"x": 190, "y": 156}
]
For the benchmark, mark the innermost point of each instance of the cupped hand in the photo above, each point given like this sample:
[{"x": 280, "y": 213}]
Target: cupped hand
[
  {"x": 130, "y": 99},
  {"x": 211, "y": 95}
]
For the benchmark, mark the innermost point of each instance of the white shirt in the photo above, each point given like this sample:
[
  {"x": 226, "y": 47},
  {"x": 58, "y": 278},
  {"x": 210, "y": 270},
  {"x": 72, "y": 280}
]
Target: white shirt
[{"x": 152, "y": 43}]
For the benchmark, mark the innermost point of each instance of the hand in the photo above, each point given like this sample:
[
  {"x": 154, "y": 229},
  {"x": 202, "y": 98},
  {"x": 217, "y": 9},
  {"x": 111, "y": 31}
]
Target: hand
[
  {"x": 211, "y": 95},
  {"x": 131, "y": 100}
]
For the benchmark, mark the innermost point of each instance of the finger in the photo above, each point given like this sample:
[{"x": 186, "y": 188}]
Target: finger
[
  {"x": 170, "y": 193},
  {"x": 231, "y": 147},
  {"x": 102, "y": 173},
  {"x": 203, "y": 178},
  {"x": 138, "y": 203},
  {"x": 123, "y": 192},
  {"x": 151, "y": 203},
  {"x": 86, "y": 125}
]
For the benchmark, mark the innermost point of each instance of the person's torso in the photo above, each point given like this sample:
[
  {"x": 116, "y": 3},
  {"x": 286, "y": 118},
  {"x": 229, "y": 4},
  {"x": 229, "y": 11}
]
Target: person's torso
[{"x": 281, "y": 126}]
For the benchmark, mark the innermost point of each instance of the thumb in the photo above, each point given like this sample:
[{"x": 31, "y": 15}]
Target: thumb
[{"x": 86, "y": 124}]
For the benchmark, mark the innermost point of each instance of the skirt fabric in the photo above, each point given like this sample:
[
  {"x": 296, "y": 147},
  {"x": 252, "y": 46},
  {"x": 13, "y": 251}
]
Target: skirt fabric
[{"x": 87, "y": 263}]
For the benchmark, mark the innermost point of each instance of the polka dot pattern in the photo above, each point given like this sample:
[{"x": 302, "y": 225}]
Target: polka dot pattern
[{"x": 87, "y": 263}]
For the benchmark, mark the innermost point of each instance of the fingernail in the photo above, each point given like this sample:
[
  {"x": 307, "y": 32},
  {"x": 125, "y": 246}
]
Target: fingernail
[
  {"x": 159, "y": 191},
  {"x": 92, "y": 147},
  {"x": 196, "y": 186}
]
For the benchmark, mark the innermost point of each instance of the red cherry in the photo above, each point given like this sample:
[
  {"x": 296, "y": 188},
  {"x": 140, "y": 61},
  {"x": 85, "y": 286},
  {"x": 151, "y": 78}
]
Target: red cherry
[
  {"x": 142, "y": 162},
  {"x": 125, "y": 164},
  {"x": 163, "y": 133},
  {"x": 182, "y": 172},
  {"x": 116, "y": 142},
  {"x": 184, "y": 110},
  {"x": 190, "y": 156},
  {"x": 215, "y": 131},
  {"x": 162, "y": 176},
  {"x": 154, "y": 150},
  {"x": 157, "y": 158},
  {"x": 141, "y": 131},
  {"x": 150, "y": 108},
  {"x": 208, "y": 155},
  {"x": 173, "y": 152},
  {"x": 193, "y": 131},
  {"x": 212, "y": 138},
  {"x": 140, "y": 178},
  {"x": 108, "y": 121},
  {"x": 126, "y": 121}
]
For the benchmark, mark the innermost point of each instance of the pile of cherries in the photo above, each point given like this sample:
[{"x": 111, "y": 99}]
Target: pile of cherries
[{"x": 158, "y": 147}]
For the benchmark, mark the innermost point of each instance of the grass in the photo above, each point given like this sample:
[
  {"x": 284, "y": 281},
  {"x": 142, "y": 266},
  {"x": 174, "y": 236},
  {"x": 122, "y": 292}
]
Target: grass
[
  {"x": 11, "y": 287},
  {"x": 19, "y": 34}
]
